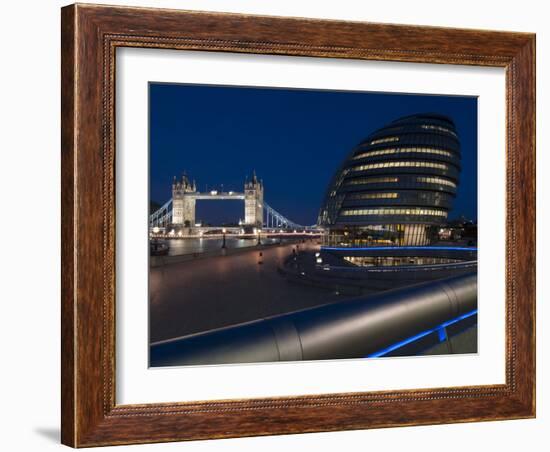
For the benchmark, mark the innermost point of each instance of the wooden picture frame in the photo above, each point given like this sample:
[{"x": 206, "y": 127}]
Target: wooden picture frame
[{"x": 90, "y": 36}]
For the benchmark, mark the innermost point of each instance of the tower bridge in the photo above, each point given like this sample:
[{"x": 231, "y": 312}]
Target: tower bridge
[{"x": 179, "y": 211}]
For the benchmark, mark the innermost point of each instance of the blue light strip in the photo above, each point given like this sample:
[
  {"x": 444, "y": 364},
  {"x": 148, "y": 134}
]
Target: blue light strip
[
  {"x": 392, "y": 248},
  {"x": 438, "y": 328}
]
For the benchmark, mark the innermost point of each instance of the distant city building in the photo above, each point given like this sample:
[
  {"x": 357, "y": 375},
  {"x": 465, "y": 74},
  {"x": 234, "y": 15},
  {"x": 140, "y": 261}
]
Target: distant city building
[{"x": 396, "y": 187}]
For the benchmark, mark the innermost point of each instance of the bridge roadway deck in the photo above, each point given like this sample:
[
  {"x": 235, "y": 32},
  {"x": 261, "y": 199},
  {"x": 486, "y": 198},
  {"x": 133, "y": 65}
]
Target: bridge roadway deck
[{"x": 203, "y": 294}]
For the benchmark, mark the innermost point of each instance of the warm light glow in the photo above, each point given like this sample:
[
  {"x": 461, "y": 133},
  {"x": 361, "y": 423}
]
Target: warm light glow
[
  {"x": 385, "y": 140},
  {"x": 417, "y": 149},
  {"x": 390, "y": 211},
  {"x": 373, "y": 196},
  {"x": 436, "y": 180},
  {"x": 443, "y": 129},
  {"x": 372, "y": 180},
  {"x": 414, "y": 164}
]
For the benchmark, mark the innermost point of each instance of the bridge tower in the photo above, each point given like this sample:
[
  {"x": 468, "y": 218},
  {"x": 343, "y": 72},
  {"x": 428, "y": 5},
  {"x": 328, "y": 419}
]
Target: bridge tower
[
  {"x": 254, "y": 202},
  {"x": 183, "y": 201}
]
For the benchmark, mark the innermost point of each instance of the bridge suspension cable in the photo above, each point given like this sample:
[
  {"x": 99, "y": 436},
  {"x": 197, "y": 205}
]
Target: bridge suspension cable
[
  {"x": 274, "y": 219},
  {"x": 162, "y": 216}
]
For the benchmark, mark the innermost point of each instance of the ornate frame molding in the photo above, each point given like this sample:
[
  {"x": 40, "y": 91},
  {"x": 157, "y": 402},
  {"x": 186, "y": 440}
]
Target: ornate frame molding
[{"x": 90, "y": 36}]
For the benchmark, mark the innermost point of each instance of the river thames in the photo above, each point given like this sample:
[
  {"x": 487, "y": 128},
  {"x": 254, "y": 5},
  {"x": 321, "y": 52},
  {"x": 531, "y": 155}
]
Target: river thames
[{"x": 178, "y": 247}]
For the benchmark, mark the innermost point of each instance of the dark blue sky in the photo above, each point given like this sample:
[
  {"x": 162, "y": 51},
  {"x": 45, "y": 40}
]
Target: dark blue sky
[{"x": 294, "y": 139}]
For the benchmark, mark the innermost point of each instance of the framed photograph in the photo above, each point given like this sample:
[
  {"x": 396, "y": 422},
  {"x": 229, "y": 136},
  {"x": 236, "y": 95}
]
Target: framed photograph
[{"x": 279, "y": 225}]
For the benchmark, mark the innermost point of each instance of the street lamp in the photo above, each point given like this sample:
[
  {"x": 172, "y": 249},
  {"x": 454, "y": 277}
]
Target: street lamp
[
  {"x": 224, "y": 231},
  {"x": 259, "y": 237}
]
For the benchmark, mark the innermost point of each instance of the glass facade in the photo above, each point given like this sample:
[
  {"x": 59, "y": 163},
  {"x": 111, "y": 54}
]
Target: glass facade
[
  {"x": 381, "y": 235},
  {"x": 403, "y": 151},
  {"x": 388, "y": 211},
  {"x": 397, "y": 261},
  {"x": 396, "y": 186},
  {"x": 415, "y": 164}
]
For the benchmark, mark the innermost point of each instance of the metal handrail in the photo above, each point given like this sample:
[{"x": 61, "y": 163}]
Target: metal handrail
[{"x": 346, "y": 329}]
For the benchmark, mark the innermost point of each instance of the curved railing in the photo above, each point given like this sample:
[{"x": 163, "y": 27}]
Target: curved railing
[{"x": 347, "y": 329}]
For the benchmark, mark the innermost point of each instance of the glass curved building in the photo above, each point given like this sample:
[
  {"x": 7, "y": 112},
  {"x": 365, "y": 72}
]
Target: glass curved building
[{"x": 396, "y": 187}]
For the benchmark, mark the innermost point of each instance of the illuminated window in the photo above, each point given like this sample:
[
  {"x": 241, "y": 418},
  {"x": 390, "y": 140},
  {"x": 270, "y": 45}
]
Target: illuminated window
[
  {"x": 400, "y": 165},
  {"x": 443, "y": 129},
  {"x": 385, "y": 140},
  {"x": 388, "y": 151},
  {"x": 436, "y": 180},
  {"x": 373, "y": 196},
  {"x": 387, "y": 211},
  {"x": 393, "y": 261},
  {"x": 371, "y": 180}
]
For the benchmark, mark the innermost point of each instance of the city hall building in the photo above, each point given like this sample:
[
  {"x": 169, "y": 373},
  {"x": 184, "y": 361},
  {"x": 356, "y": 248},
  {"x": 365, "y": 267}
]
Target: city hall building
[{"x": 396, "y": 187}]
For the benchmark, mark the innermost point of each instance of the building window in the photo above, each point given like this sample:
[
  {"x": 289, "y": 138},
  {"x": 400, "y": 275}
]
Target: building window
[
  {"x": 442, "y": 129},
  {"x": 373, "y": 196},
  {"x": 395, "y": 261},
  {"x": 385, "y": 140},
  {"x": 436, "y": 180},
  {"x": 388, "y": 211},
  {"x": 372, "y": 180},
  {"x": 388, "y": 151},
  {"x": 441, "y": 166}
]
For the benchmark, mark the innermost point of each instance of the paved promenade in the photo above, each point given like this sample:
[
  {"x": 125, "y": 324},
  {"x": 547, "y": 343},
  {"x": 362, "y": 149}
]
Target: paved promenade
[{"x": 203, "y": 294}]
